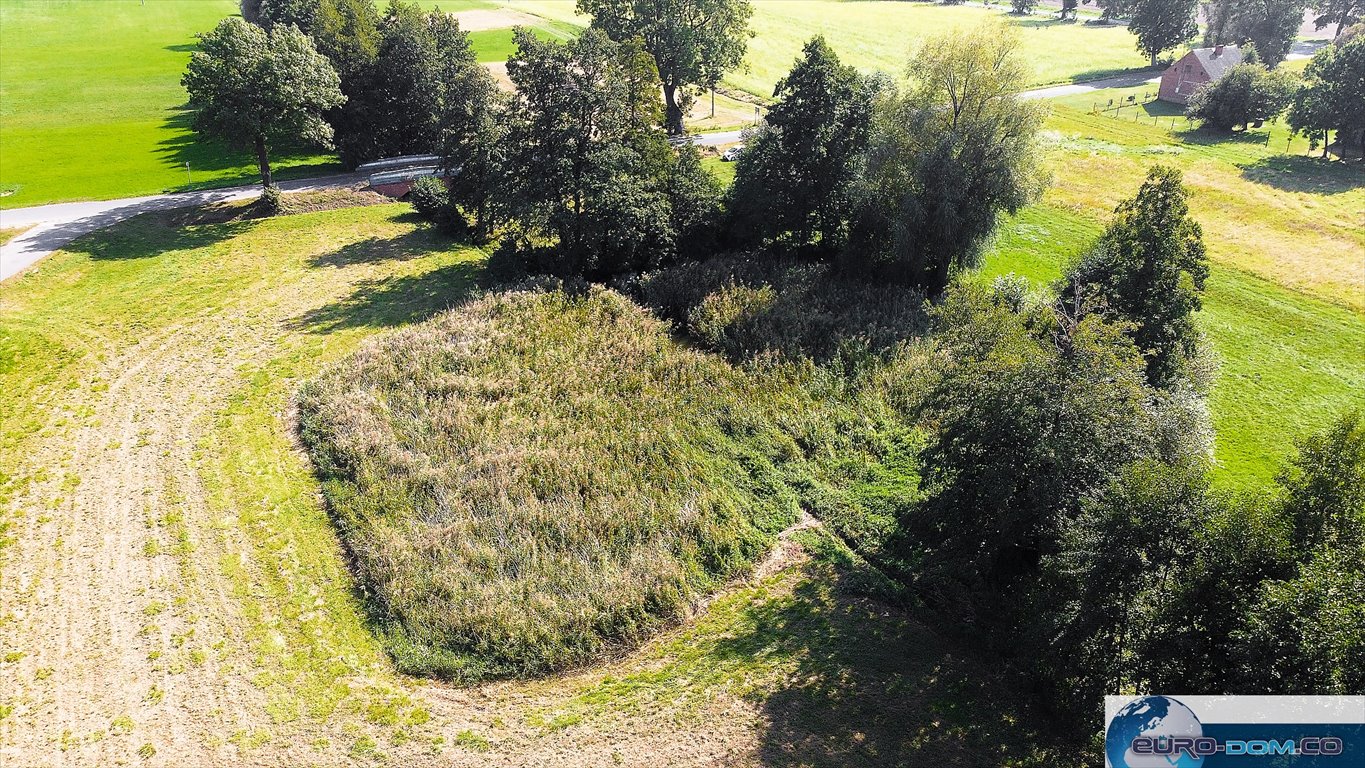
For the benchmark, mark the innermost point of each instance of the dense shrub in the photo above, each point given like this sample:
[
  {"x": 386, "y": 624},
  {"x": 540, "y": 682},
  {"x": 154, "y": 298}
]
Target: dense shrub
[
  {"x": 430, "y": 198},
  {"x": 535, "y": 478},
  {"x": 783, "y": 308}
]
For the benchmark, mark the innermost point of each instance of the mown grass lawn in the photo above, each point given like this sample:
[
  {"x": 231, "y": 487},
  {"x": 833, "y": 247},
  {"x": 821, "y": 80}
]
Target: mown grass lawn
[
  {"x": 91, "y": 105},
  {"x": 874, "y": 35}
]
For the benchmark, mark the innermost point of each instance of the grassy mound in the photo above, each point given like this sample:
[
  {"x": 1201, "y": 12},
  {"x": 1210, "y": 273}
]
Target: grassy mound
[{"x": 537, "y": 478}]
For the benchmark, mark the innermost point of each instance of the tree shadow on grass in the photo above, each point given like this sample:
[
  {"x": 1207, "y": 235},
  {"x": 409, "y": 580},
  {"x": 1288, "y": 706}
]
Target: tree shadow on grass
[
  {"x": 877, "y": 686},
  {"x": 416, "y": 244},
  {"x": 141, "y": 236},
  {"x": 1296, "y": 173},
  {"x": 394, "y": 301},
  {"x": 214, "y": 157}
]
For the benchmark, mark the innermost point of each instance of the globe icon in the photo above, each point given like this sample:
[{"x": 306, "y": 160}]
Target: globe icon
[{"x": 1150, "y": 716}]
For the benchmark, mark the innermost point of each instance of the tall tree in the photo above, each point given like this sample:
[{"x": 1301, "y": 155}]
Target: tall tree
[
  {"x": 946, "y": 157},
  {"x": 1161, "y": 25},
  {"x": 586, "y": 169},
  {"x": 692, "y": 41},
  {"x": 252, "y": 87},
  {"x": 347, "y": 33},
  {"x": 795, "y": 178},
  {"x": 1333, "y": 95},
  {"x": 1272, "y": 25},
  {"x": 473, "y": 129},
  {"x": 284, "y": 13},
  {"x": 1342, "y": 13},
  {"x": 1148, "y": 269}
]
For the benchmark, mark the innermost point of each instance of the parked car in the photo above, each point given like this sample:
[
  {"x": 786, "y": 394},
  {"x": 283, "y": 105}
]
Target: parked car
[{"x": 732, "y": 154}]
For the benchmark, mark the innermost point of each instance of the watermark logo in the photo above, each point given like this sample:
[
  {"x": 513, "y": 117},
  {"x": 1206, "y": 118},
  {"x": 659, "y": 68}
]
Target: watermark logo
[
  {"x": 1146, "y": 720},
  {"x": 1299, "y": 731}
]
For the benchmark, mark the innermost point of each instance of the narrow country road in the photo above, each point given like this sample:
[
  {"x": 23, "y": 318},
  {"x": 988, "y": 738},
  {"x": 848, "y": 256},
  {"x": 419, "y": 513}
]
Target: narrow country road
[{"x": 53, "y": 226}]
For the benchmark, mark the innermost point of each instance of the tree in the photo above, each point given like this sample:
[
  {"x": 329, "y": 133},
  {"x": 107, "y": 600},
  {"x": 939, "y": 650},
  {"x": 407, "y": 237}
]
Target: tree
[
  {"x": 696, "y": 202},
  {"x": 347, "y": 33},
  {"x": 1023, "y": 7},
  {"x": 1342, "y": 13},
  {"x": 1245, "y": 94},
  {"x": 1111, "y": 10},
  {"x": 473, "y": 129},
  {"x": 795, "y": 179},
  {"x": 250, "y": 10},
  {"x": 1272, "y": 25},
  {"x": 946, "y": 157},
  {"x": 586, "y": 169},
  {"x": 1063, "y": 397},
  {"x": 284, "y": 13},
  {"x": 1148, "y": 269},
  {"x": 1116, "y": 563},
  {"x": 248, "y": 86},
  {"x": 1333, "y": 95},
  {"x": 1069, "y": 9},
  {"x": 693, "y": 42},
  {"x": 1161, "y": 25}
]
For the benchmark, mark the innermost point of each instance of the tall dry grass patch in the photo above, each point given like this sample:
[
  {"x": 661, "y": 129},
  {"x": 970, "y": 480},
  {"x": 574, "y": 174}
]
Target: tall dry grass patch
[{"x": 536, "y": 478}]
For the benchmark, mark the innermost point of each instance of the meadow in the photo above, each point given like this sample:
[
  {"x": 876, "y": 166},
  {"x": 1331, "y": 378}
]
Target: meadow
[
  {"x": 154, "y": 368},
  {"x": 91, "y": 104},
  {"x": 874, "y": 35},
  {"x": 1285, "y": 305}
]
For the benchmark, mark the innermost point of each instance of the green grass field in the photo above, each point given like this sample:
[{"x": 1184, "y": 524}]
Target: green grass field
[
  {"x": 91, "y": 105},
  {"x": 91, "y": 102},
  {"x": 874, "y": 35},
  {"x": 257, "y": 596},
  {"x": 1285, "y": 307}
]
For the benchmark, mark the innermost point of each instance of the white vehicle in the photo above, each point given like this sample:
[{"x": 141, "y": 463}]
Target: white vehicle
[{"x": 732, "y": 154}]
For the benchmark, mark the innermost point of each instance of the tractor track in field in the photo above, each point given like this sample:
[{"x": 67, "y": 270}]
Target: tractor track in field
[
  {"x": 125, "y": 642},
  {"x": 110, "y": 593}
]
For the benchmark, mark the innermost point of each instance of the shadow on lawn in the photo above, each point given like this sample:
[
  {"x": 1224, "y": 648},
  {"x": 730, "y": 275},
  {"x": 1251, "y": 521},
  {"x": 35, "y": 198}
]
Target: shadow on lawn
[
  {"x": 143, "y": 235},
  {"x": 213, "y": 157},
  {"x": 392, "y": 301},
  {"x": 877, "y": 687},
  {"x": 1296, "y": 173}
]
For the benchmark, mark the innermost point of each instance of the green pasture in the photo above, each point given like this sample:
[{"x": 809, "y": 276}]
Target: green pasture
[
  {"x": 91, "y": 103},
  {"x": 876, "y": 35}
]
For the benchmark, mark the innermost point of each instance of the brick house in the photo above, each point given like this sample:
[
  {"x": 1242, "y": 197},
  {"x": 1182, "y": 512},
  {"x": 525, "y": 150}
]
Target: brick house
[{"x": 1202, "y": 65}]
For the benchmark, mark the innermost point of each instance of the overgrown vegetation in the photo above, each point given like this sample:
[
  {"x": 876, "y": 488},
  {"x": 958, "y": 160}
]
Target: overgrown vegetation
[{"x": 539, "y": 477}]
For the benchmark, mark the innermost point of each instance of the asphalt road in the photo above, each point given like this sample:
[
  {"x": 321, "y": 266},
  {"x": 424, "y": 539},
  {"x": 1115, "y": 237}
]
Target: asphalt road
[{"x": 53, "y": 226}]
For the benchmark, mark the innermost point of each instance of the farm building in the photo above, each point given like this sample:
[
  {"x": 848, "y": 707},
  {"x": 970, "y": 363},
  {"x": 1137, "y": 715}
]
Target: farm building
[{"x": 1202, "y": 65}]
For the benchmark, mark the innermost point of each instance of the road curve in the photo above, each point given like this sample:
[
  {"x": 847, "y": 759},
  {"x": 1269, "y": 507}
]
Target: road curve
[{"x": 53, "y": 226}]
